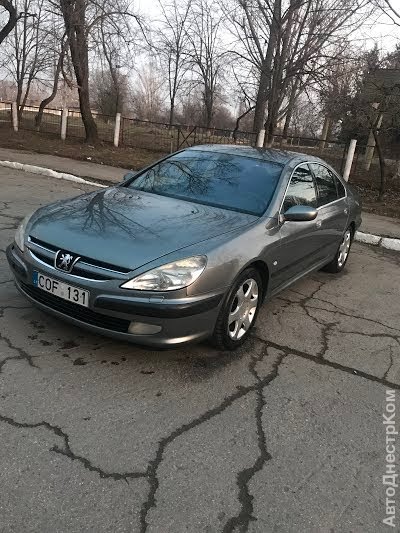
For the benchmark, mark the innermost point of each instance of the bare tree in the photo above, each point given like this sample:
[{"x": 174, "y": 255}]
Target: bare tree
[
  {"x": 74, "y": 13},
  {"x": 110, "y": 95},
  {"x": 337, "y": 84},
  {"x": 148, "y": 94},
  {"x": 172, "y": 46},
  {"x": 388, "y": 8},
  {"x": 287, "y": 43},
  {"x": 82, "y": 19},
  {"x": 12, "y": 18},
  {"x": 26, "y": 46},
  {"x": 58, "y": 68},
  {"x": 115, "y": 39},
  {"x": 207, "y": 52}
]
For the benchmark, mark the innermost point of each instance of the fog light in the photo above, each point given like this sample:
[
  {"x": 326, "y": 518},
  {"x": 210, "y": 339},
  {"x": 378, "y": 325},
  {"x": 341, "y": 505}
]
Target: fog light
[{"x": 139, "y": 328}]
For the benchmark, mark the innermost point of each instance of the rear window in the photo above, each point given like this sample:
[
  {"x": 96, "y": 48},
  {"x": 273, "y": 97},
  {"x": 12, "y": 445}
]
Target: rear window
[
  {"x": 326, "y": 184},
  {"x": 222, "y": 180}
]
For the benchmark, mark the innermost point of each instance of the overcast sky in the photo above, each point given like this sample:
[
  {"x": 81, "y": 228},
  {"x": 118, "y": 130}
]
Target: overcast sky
[{"x": 380, "y": 30}]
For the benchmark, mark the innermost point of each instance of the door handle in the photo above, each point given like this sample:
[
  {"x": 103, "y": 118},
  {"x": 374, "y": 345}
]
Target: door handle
[
  {"x": 318, "y": 223},
  {"x": 346, "y": 211}
]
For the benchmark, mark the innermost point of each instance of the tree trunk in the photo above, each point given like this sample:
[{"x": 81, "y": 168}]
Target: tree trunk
[
  {"x": 261, "y": 102},
  {"x": 173, "y": 89},
  {"x": 46, "y": 101},
  {"x": 234, "y": 134},
  {"x": 18, "y": 100},
  {"x": 382, "y": 185},
  {"x": 12, "y": 19},
  {"x": 290, "y": 109},
  {"x": 325, "y": 132},
  {"x": 208, "y": 106},
  {"x": 286, "y": 126},
  {"x": 397, "y": 171},
  {"x": 266, "y": 71},
  {"x": 270, "y": 125},
  {"x": 87, "y": 117},
  {"x": 74, "y": 14},
  {"x": 172, "y": 112}
]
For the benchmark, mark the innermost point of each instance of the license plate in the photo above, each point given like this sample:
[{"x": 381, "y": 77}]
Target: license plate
[{"x": 60, "y": 289}]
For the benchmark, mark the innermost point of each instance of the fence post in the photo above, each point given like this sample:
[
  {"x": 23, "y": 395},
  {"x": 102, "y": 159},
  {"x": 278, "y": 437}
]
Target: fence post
[
  {"x": 64, "y": 120},
  {"x": 14, "y": 115},
  {"x": 117, "y": 128},
  {"x": 349, "y": 160},
  {"x": 260, "y": 139}
]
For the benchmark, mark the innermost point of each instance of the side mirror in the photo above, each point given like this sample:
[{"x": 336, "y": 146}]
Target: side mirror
[
  {"x": 129, "y": 175},
  {"x": 300, "y": 213}
]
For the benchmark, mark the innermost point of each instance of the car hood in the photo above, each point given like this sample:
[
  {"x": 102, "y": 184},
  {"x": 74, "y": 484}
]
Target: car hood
[{"x": 130, "y": 228}]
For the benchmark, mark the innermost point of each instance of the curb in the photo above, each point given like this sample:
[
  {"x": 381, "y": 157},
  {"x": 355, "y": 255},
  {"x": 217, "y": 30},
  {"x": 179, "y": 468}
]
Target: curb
[
  {"x": 378, "y": 240},
  {"x": 366, "y": 238},
  {"x": 33, "y": 169}
]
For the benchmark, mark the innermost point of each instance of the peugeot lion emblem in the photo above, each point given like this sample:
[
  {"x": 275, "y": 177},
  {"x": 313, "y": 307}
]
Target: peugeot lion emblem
[{"x": 65, "y": 260}]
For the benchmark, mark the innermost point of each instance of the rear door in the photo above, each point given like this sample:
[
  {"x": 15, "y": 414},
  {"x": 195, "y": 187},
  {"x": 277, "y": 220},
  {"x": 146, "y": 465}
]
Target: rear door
[
  {"x": 299, "y": 242},
  {"x": 332, "y": 209}
]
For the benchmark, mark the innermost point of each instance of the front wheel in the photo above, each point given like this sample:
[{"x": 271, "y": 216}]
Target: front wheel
[
  {"x": 239, "y": 311},
  {"x": 342, "y": 254}
]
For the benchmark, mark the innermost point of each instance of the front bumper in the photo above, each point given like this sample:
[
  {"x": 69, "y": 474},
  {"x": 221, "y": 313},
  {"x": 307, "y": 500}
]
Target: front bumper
[{"x": 111, "y": 311}]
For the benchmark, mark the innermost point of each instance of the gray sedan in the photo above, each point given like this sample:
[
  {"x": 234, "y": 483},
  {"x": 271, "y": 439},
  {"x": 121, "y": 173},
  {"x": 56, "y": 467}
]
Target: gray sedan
[{"x": 189, "y": 247}]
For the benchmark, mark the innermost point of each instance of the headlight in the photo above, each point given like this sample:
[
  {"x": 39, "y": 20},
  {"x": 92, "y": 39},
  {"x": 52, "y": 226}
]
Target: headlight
[
  {"x": 169, "y": 277},
  {"x": 20, "y": 233}
]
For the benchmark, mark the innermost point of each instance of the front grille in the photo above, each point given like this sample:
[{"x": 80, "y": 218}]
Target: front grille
[
  {"x": 76, "y": 311},
  {"x": 43, "y": 258},
  {"x": 76, "y": 271},
  {"x": 99, "y": 276},
  {"x": 83, "y": 259},
  {"x": 43, "y": 244}
]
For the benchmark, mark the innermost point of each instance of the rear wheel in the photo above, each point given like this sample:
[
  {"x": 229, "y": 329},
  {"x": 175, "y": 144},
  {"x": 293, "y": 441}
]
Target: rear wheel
[
  {"x": 239, "y": 311},
  {"x": 342, "y": 254}
]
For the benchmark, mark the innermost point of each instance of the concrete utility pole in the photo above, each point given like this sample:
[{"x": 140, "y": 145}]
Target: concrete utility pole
[
  {"x": 349, "y": 159},
  {"x": 260, "y": 139},
  {"x": 64, "y": 121},
  {"x": 117, "y": 128},
  {"x": 14, "y": 116}
]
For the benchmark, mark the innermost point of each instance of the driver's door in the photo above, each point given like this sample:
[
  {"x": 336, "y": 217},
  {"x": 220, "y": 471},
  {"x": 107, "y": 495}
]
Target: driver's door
[{"x": 299, "y": 243}]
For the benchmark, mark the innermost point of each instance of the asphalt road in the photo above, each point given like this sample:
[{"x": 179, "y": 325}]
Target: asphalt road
[{"x": 285, "y": 435}]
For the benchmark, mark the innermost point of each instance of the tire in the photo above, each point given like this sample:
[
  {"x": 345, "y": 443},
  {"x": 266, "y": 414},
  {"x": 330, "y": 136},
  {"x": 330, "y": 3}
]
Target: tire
[
  {"x": 339, "y": 261},
  {"x": 239, "y": 311}
]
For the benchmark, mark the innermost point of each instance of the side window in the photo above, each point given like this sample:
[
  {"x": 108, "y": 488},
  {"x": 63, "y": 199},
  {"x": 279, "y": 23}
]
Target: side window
[
  {"x": 340, "y": 188},
  {"x": 301, "y": 190},
  {"x": 326, "y": 185}
]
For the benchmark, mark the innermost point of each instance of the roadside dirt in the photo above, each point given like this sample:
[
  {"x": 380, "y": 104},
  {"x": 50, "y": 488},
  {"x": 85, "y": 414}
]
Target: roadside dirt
[
  {"x": 136, "y": 158},
  {"x": 74, "y": 148}
]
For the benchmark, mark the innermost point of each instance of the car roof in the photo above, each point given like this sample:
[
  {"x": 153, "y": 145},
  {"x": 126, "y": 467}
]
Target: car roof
[{"x": 274, "y": 155}]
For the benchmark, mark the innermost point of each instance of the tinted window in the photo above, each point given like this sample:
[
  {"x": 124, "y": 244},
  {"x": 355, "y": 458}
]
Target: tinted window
[
  {"x": 301, "y": 190},
  {"x": 326, "y": 184},
  {"x": 340, "y": 188},
  {"x": 232, "y": 182}
]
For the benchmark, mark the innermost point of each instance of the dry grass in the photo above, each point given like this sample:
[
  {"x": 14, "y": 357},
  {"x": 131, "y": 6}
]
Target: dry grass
[{"x": 73, "y": 148}]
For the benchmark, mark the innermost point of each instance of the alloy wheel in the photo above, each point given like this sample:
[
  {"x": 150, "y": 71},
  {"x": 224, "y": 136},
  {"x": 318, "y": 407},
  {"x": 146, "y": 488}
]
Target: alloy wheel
[
  {"x": 344, "y": 248},
  {"x": 243, "y": 309}
]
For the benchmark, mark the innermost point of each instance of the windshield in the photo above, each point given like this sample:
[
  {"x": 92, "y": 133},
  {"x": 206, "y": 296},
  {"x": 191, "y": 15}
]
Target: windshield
[{"x": 222, "y": 180}]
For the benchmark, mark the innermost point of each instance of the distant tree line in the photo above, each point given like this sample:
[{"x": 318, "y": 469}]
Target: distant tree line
[{"x": 288, "y": 66}]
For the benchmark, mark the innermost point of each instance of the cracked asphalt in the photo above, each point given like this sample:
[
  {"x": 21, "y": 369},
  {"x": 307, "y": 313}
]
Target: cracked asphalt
[{"x": 285, "y": 435}]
